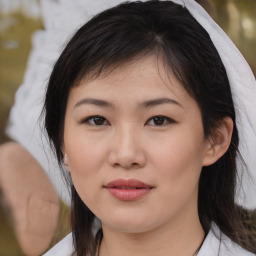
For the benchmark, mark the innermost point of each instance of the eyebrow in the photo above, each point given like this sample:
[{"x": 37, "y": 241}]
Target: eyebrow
[
  {"x": 146, "y": 104},
  {"x": 155, "y": 102},
  {"x": 96, "y": 102}
]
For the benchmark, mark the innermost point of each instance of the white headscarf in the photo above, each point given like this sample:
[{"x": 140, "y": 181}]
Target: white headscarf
[{"x": 243, "y": 88}]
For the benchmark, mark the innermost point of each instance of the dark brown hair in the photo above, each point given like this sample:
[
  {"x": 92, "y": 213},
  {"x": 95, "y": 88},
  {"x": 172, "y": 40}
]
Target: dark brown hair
[{"x": 168, "y": 31}]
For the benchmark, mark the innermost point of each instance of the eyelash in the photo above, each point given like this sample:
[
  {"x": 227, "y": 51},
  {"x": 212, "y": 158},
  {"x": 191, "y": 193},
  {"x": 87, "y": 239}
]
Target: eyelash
[
  {"x": 166, "y": 120},
  {"x": 91, "y": 120}
]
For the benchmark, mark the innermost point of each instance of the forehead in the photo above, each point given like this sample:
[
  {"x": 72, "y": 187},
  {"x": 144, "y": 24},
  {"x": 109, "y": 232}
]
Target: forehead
[{"x": 137, "y": 79}]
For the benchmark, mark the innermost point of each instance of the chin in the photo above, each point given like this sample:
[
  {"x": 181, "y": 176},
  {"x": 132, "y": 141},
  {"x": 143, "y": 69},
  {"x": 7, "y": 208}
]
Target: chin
[{"x": 129, "y": 224}]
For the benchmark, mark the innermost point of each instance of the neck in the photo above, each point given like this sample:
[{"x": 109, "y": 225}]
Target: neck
[{"x": 178, "y": 240}]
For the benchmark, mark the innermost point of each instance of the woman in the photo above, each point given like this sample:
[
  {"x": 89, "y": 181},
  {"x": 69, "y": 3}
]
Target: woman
[{"x": 139, "y": 108}]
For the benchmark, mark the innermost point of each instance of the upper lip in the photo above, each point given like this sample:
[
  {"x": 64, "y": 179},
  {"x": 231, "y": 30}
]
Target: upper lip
[{"x": 130, "y": 183}]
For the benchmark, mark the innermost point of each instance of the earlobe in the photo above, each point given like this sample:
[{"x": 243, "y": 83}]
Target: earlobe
[
  {"x": 219, "y": 143},
  {"x": 66, "y": 161}
]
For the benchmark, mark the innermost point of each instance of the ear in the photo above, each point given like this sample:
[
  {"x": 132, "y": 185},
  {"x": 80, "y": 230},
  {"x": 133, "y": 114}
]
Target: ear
[
  {"x": 219, "y": 143},
  {"x": 66, "y": 161}
]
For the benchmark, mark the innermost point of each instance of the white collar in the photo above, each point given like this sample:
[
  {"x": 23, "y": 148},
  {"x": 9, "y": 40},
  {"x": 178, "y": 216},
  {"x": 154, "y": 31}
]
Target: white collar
[
  {"x": 218, "y": 244},
  {"x": 215, "y": 244}
]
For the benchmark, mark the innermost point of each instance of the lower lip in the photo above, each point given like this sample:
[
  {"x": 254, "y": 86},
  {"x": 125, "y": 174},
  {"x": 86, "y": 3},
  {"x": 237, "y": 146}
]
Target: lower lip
[{"x": 128, "y": 194}]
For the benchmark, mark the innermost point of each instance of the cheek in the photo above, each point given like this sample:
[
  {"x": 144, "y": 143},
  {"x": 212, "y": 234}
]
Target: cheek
[
  {"x": 86, "y": 153},
  {"x": 178, "y": 161},
  {"x": 86, "y": 160},
  {"x": 86, "y": 164}
]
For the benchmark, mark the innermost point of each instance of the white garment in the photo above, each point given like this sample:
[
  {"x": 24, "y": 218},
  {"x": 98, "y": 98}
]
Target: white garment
[
  {"x": 213, "y": 245},
  {"x": 61, "y": 20}
]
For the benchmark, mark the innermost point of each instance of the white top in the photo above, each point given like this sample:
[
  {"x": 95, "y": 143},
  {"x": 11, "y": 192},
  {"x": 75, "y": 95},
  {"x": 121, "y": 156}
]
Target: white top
[{"x": 215, "y": 244}]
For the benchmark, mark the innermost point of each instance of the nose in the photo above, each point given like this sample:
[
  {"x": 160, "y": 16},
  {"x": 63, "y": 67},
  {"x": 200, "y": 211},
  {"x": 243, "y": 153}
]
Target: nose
[{"x": 127, "y": 150}]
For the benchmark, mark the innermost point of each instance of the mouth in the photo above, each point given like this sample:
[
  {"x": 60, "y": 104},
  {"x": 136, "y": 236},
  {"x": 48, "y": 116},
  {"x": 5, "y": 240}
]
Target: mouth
[{"x": 128, "y": 190}]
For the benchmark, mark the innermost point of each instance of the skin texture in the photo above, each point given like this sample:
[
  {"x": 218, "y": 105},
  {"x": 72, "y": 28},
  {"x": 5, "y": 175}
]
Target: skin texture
[
  {"x": 126, "y": 143},
  {"x": 31, "y": 198}
]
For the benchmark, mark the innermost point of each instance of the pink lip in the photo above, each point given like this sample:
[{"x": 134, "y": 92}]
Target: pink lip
[{"x": 128, "y": 190}]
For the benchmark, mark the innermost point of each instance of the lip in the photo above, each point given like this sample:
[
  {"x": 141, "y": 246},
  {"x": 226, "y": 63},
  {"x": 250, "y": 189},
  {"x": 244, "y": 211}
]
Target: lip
[{"x": 128, "y": 190}]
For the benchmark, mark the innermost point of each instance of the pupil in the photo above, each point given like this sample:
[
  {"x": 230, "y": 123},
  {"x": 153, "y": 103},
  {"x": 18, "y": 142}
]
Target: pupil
[
  {"x": 99, "y": 120},
  {"x": 158, "y": 120}
]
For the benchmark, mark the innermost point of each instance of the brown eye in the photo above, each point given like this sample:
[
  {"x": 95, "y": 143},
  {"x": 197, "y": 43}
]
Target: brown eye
[
  {"x": 96, "y": 120},
  {"x": 99, "y": 120},
  {"x": 159, "y": 121}
]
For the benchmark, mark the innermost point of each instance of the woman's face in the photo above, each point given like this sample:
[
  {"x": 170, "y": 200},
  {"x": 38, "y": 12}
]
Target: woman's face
[{"x": 135, "y": 146}]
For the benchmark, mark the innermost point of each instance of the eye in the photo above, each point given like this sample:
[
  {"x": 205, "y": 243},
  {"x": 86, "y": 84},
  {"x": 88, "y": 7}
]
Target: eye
[
  {"x": 159, "y": 121},
  {"x": 96, "y": 120}
]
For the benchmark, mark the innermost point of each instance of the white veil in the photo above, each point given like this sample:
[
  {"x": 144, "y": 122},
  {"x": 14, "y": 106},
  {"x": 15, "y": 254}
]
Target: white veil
[{"x": 243, "y": 87}]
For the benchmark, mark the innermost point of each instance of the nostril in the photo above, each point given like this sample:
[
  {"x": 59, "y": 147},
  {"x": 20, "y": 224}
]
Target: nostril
[
  {"x": 127, "y": 159},
  {"x": 135, "y": 165},
  {"x": 127, "y": 165}
]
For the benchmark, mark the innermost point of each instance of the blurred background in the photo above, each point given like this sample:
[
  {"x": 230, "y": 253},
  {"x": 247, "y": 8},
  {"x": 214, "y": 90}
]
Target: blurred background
[{"x": 20, "y": 18}]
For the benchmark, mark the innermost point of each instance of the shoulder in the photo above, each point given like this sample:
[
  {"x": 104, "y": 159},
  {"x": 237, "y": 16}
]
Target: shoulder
[
  {"x": 63, "y": 248},
  {"x": 216, "y": 243}
]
